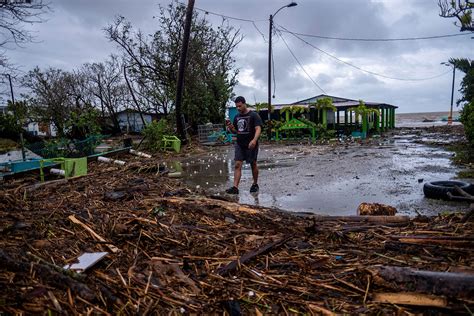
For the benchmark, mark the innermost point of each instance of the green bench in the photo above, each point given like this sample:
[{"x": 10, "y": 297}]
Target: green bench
[{"x": 171, "y": 142}]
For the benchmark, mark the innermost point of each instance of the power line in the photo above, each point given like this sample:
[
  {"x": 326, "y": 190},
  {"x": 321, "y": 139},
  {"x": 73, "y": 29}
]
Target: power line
[
  {"x": 361, "y": 69},
  {"x": 234, "y": 18},
  {"x": 374, "y": 39},
  {"x": 258, "y": 30},
  {"x": 297, "y": 35},
  {"x": 227, "y": 16},
  {"x": 334, "y": 38},
  {"x": 301, "y": 66}
]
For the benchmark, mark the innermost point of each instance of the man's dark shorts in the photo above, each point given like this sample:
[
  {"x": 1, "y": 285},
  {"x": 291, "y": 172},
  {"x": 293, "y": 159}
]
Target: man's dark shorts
[{"x": 244, "y": 153}]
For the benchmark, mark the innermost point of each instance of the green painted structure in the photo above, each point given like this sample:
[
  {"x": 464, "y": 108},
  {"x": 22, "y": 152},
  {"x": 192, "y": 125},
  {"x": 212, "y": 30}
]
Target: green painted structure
[
  {"x": 295, "y": 124},
  {"x": 343, "y": 120},
  {"x": 73, "y": 167}
]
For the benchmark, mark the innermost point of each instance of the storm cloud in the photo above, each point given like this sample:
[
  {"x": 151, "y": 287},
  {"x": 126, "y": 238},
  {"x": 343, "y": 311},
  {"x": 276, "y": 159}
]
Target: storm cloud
[{"x": 73, "y": 34}]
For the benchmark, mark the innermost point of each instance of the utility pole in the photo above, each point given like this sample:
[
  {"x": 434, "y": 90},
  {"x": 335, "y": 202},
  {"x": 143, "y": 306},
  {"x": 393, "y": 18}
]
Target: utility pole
[
  {"x": 269, "y": 130},
  {"x": 270, "y": 31},
  {"x": 182, "y": 67},
  {"x": 450, "y": 117},
  {"x": 451, "y": 64}
]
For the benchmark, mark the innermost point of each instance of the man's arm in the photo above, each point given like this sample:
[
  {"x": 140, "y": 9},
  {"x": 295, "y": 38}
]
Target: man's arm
[
  {"x": 231, "y": 127},
  {"x": 253, "y": 142},
  {"x": 258, "y": 131}
]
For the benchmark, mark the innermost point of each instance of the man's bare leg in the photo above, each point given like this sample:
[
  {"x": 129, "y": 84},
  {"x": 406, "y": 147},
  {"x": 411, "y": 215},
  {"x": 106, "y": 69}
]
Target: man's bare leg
[
  {"x": 237, "y": 173},
  {"x": 255, "y": 172}
]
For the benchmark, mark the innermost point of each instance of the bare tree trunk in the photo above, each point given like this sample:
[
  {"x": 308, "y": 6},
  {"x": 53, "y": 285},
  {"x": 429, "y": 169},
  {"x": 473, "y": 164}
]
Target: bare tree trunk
[
  {"x": 182, "y": 66},
  {"x": 133, "y": 95}
]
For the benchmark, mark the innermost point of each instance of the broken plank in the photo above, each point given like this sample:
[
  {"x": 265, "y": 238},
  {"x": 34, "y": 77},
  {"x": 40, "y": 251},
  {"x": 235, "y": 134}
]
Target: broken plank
[
  {"x": 408, "y": 298},
  {"x": 452, "y": 241},
  {"x": 364, "y": 218}
]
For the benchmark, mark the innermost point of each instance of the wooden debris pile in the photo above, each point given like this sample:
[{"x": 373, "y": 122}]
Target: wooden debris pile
[{"x": 173, "y": 251}]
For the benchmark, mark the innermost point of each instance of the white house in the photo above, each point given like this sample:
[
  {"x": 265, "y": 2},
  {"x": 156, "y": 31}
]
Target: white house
[
  {"x": 42, "y": 129},
  {"x": 131, "y": 121}
]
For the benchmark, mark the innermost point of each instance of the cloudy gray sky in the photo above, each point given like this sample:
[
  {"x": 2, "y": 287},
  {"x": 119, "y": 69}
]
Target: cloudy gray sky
[{"x": 73, "y": 34}]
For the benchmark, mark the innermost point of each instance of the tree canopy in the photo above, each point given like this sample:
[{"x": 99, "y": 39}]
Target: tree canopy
[
  {"x": 459, "y": 9},
  {"x": 152, "y": 63},
  {"x": 467, "y": 83}
]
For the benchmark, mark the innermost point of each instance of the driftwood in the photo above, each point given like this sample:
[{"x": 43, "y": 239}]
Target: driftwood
[
  {"x": 462, "y": 192},
  {"x": 451, "y": 241},
  {"x": 457, "y": 285},
  {"x": 207, "y": 202},
  {"x": 464, "y": 196},
  {"x": 252, "y": 254},
  {"x": 367, "y": 219},
  {"x": 407, "y": 298},
  {"x": 57, "y": 279},
  {"x": 453, "y": 197},
  {"x": 49, "y": 184}
]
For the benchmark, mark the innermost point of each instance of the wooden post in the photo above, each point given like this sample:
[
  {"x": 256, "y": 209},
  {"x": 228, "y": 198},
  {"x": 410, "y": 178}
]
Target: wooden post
[{"x": 182, "y": 67}]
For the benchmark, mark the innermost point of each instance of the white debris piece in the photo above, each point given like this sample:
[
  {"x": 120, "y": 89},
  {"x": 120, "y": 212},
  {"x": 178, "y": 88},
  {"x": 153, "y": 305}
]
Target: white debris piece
[
  {"x": 139, "y": 153},
  {"x": 85, "y": 261}
]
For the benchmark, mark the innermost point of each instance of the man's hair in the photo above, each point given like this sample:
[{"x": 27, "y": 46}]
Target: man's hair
[{"x": 239, "y": 99}]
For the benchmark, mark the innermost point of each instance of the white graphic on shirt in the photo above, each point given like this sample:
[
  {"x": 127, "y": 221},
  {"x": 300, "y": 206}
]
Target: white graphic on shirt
[{"x": 242, "y": 125}]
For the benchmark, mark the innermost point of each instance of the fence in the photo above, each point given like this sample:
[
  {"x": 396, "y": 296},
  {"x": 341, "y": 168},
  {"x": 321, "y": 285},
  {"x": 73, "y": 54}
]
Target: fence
[
  {"x": 210, "y": 133},
  {"x": 66, "y": 148}
]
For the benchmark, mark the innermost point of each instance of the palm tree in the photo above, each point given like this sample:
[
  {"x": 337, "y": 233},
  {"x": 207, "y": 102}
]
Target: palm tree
[
  {"x": 467, "y": 85},
  {"x": 294, "y": 110},
  {"x": 363, "y": 111},
  {"x": 324, "y": 105}
]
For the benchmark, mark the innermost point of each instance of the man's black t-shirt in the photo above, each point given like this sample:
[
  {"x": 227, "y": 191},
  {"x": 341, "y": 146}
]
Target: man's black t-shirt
[{"x": 245, "y": 126}]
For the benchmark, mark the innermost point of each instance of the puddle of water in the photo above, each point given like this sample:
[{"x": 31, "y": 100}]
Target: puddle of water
[{"x": 334, "y": 181}]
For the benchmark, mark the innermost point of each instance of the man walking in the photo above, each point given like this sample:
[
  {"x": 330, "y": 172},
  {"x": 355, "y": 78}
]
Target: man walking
[{"x": 248, "y": 126}]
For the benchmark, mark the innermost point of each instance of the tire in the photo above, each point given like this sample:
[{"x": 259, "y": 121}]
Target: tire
[
  {"x": 440, "y": 189},
  {"x": 470, "y": 189}
]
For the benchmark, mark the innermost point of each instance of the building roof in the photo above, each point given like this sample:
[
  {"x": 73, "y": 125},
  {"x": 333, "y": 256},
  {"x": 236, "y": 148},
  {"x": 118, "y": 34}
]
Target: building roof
[
  {"x": 321, "y": 96},
  {"x": 339, "y": 102}
]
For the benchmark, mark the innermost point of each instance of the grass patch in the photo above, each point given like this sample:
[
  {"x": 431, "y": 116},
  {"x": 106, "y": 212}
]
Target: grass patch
[
  {"x": 466, "y": 174},
  {"x": 6, "y": 145},
  {"x": 464, "y": 153}
]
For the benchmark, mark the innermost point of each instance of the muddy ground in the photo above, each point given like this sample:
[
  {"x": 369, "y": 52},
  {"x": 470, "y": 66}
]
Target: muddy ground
[{"x": 334, "y": 178}]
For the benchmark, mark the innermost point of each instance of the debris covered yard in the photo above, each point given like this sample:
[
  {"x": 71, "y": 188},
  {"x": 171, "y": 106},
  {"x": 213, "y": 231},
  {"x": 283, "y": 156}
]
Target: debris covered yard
[{"x": 173, "y": 251}]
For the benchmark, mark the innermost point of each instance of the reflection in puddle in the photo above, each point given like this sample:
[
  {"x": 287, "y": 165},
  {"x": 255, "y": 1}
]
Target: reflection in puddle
[{"x": 326, "y": 180}]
